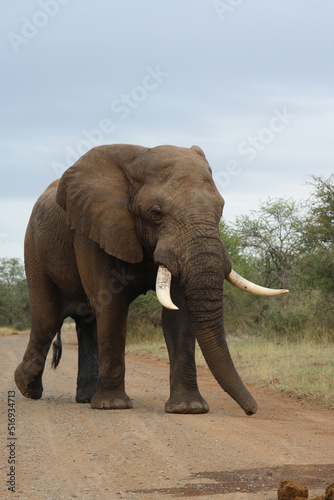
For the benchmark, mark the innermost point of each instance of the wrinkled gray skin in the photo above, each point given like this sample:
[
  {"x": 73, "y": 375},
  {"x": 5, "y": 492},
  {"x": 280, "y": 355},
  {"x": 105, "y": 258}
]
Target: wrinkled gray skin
[{"x": 93, "y": 244}]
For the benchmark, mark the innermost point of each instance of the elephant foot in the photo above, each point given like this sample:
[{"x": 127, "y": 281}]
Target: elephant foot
[
  {"x": 186, "y": 403},
  {"x": 29, "y": 384},
  {"x": 117, "y": 400},
  {"x": 85, "y": 393}
]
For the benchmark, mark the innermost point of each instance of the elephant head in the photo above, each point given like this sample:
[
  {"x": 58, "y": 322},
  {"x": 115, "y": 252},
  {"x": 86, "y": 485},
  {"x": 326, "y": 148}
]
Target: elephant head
[{"x": 162, "y": 204}]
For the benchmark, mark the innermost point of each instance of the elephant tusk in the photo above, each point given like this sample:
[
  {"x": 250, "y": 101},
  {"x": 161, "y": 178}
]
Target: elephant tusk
[
  {"x": 163, "y": 282},
  {"x": 240, "y": 282}
]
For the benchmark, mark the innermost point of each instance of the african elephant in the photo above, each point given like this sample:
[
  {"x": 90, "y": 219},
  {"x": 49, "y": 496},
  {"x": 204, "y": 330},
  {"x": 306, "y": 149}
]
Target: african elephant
[{"x": 97, "y": 238}]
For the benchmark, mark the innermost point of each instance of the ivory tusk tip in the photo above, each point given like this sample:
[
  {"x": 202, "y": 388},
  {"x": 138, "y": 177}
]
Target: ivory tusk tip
[
  {"x": 165, "y": 300},
  {"x": 282, "y": 291},
  {"x": 277, "y": 293},
  {"x": 172, "y": 307}
]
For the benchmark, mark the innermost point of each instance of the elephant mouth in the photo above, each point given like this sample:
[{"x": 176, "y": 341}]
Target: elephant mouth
[{"x": 164, "y": 278}]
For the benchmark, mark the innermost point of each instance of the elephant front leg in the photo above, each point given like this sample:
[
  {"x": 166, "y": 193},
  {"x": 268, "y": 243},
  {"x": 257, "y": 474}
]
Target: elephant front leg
[
  {"x": 180, "y": 339},
  {"x": 111, "y": 329}
]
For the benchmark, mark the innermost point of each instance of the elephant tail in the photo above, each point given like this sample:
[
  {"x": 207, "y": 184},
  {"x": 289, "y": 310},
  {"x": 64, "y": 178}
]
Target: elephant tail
[{"x": 57, "y": 351}]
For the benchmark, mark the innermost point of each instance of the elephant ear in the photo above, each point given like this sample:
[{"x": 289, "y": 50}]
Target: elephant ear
[
  {"x": 198, "y": 150},
  {"x": 201, "y": 153},
  {"x": 95, "y": 193}
]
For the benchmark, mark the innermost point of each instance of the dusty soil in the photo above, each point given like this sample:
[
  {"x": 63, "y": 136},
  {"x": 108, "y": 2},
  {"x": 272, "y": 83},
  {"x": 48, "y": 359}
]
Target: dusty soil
[{"x": 65, "y": 450}]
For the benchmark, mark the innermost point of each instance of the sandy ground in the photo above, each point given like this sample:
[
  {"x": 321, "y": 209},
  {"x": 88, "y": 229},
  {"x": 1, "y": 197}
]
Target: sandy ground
[{"x": 65, "y": 450}]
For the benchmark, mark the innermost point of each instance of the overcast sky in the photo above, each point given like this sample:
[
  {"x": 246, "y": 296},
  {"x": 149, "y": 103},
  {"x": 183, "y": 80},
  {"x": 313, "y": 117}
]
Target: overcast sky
[{"x": 250, "y": 81}]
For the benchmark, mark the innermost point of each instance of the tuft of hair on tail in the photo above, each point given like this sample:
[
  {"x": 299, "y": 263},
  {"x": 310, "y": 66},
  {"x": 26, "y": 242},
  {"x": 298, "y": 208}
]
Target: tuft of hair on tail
[{"x": 57, "y": 351}]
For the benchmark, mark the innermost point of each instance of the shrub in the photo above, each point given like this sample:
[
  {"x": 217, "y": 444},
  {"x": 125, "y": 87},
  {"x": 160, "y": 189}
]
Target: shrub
[
  {"x": 144, "y": 320},
  {"x": 14, "y": 297}
]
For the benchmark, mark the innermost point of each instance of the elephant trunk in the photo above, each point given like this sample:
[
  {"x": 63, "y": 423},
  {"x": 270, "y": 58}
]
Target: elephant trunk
[
  {"x": 217, "y": 356},
  {"x": 205, "y": 303}
]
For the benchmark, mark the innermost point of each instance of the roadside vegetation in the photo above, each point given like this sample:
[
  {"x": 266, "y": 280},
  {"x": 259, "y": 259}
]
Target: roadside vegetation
[
  {"x": 286, "y": 343},
  {"x": 14, "y": 298}
]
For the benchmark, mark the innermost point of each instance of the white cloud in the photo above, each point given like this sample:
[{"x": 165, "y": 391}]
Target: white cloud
[{"x": 14, "y": 217}]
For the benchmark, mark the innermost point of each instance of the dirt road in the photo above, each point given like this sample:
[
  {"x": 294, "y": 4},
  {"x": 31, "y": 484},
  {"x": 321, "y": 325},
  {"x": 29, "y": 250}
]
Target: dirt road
[{"x": 66, "y": 450}]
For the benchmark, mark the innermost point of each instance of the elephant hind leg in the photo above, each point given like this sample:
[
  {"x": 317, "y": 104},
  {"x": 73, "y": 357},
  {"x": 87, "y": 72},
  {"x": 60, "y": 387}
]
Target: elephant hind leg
[
  {"x": 28, "y": 382},
  {"x": 88, "y": 365},
  {"x": 45, "y": 323}
]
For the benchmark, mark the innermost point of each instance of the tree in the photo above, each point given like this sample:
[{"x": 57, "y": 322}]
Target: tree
[
  {"x": 272, "y": 238},
  {"x": 14, "y": 298},
  {"x": 240, "y": 308},
  {"x": 232, "y": 243},
  {"x": 321, "y": 212},
  {"x": 318, "y": 265}
]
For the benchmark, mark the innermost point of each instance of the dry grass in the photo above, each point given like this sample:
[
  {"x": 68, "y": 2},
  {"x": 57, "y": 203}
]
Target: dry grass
[
  {"x": 304, "y": 369},
  {"x": 7, "y": 330}
]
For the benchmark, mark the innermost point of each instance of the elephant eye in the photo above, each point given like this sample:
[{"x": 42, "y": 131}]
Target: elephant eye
[{"x": 156, "y": 214}]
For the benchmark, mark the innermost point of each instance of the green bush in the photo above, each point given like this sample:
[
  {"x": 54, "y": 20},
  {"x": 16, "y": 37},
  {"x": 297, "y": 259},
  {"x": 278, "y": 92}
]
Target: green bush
[
  {"x": 307, "y": 318},
  {"x": 14, "y": 297},
  {"x": 289, "y": 323},
  {"x": 144, "y": 320}
]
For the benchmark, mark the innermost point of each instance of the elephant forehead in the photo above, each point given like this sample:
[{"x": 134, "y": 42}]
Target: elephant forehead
[
  {"x": 185, "y": 193},
  {"x": 183, "y": 174},
  {"x": 199, "y": 200},
  {"x": 166, "y": 160}
]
